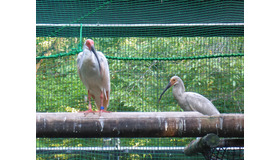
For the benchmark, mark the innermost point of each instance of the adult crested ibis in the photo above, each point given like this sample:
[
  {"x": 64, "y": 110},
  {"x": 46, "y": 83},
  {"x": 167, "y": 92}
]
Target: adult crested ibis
[
  {"x": 190, "y": 101},
  {"x": 93, "y": 71}
]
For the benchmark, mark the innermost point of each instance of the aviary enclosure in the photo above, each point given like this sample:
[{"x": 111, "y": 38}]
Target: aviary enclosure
[{"x": 146, "y": 43}]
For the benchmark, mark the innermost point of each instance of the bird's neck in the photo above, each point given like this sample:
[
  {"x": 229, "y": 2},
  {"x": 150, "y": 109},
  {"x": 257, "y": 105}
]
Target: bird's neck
[
  {"x": 178, "y": 89},
  {"x": 88, "y": 53}
]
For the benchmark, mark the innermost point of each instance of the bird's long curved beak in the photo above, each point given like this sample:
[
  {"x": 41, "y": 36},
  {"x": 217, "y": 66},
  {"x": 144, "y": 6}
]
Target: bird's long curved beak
[
  {"x": 94, "y": 51},
  {"x": 168, "y": 86}
]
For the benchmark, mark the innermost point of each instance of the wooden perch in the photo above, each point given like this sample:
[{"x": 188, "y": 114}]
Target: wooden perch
[
  {"x": 138, "y": 124},
  {"x": 202, "y": 145}
]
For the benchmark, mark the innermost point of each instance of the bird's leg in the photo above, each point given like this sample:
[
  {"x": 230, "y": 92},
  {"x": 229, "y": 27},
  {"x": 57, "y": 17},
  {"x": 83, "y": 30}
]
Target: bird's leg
[
  {"x": 101, "y": 104},
  {"x": 89, "y": 106},
  {"x": 89, "y": 103}
]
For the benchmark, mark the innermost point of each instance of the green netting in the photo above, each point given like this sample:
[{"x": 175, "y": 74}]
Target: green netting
[
  {"x": 160, "y": 18},
  {"x": 146, "y": 43}
]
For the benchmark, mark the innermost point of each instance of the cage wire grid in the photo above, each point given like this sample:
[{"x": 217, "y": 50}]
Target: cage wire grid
[{"x": 142, "y": 57}]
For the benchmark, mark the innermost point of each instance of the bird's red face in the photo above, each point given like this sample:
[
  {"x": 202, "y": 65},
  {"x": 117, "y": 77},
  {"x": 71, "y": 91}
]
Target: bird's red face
[
  {"x": 89, "y": 43},
  {"x": 173, "y": 80}
]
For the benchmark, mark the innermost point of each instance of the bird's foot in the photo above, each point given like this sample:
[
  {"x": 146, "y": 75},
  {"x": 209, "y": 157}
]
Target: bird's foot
[
  {"x": 87, "y": 112},
  {"x": 91, "y": 111},
  {"x": 102, "y": 111}
]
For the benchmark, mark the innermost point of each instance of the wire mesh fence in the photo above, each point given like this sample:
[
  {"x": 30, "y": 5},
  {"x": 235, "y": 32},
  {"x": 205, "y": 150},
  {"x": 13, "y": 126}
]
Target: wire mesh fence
[
  {"x": 142, "y": 57},
  {"x": 136, "y": 84},
  {"x": 113, "y": 148}
]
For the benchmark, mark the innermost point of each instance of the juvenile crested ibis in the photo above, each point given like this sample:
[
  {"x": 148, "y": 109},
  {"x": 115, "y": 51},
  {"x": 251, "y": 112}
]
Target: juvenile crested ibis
[
  {"x": 93, "y": 71},
  {"x": 190, "y": 101}
]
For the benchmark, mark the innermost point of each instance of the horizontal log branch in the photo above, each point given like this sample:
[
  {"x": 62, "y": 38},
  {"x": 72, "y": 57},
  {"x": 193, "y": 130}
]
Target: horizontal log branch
[
  {"x": 138, "y": 124},
  {"x": 202, "y": 145}
]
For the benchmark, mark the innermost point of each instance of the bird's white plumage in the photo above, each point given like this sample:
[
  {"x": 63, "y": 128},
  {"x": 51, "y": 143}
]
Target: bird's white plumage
[
  {"x": 95, "y": 81},
  {"x": 191, "y": 101}
]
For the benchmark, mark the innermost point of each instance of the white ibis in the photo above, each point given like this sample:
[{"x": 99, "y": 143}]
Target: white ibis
[
  {"x": 190, "y": 101},
  {"x": 93, "y": 70}
]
